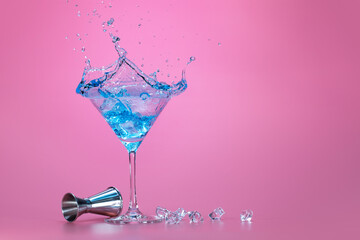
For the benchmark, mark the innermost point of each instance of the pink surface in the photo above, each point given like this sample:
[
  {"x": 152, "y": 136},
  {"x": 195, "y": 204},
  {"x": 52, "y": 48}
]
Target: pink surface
[{"x": 270, "y": 120}]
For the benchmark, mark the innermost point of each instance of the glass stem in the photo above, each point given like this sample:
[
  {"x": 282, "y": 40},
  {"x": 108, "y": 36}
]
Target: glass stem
[{"x": 132, "y": 163}]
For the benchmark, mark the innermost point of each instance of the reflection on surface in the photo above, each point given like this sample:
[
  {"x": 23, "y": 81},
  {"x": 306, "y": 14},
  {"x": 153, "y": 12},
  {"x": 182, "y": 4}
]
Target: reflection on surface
[
  {"x": 246, "y": 226},
  {"x": 97, "y": 227}
]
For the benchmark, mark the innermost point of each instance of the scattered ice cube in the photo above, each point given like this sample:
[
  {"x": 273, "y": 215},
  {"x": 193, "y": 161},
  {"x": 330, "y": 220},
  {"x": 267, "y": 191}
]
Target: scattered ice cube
[
  {"x": 195, "y": 217},
  {"x": 162, "y": 212},
  {"x": 172, "y": 218},
  {"x": 181, "y": 212},
  {"x": 246, "y": 215},
  {"x": 217, "y": 213}
]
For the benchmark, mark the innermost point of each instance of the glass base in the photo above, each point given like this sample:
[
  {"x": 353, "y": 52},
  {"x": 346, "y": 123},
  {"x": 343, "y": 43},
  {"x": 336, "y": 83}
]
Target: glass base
[{"x": 133, "y": 217}]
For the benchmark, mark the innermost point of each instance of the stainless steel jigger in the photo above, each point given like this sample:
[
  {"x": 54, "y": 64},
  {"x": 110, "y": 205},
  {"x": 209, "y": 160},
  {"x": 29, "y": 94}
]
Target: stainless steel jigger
[{"x": 108, "y": 203}]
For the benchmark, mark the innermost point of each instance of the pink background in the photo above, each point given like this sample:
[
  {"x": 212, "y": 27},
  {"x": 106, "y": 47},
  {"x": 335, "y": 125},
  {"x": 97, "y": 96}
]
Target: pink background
[{"x": 270, "y": 120}]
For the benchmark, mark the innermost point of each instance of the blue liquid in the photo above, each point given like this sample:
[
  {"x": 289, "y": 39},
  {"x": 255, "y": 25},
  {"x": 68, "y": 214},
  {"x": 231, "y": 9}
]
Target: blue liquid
[{"x": 130, "y": 127}]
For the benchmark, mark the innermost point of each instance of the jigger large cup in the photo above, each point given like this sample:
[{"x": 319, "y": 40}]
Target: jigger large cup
[{"x": 108, "y": 203}]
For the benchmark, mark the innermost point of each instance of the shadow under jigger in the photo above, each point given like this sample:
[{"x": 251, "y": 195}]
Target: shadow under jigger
[{"x": 108, "y": 203}]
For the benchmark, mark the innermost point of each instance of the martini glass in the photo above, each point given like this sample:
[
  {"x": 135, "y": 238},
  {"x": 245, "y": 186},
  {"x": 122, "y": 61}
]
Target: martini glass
[{"x": 130, "y": 102}]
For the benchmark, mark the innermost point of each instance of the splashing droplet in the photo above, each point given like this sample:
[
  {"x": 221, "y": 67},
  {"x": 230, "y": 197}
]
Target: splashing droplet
[
  {"x": 114, "y": 38},
  {"x": 83, "y": 49},
  {"x": 110, "y": 21}
]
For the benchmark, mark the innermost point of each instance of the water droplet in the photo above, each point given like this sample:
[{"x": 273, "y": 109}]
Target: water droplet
[
  {"x": 167, "y": 60},
  {"x": 192, "y": 58},
  {"x": 139, "y": 25},
  {"x": 219, "y": 43},
  {"x": 168, "y": 75},
  {"x": 115, "y": 39},
  {"x": 104, "y": 30},
  {"x": 74, "y": 49},
  {"x": 158, "y": 70},
  {"x": 76, "y": 5},
  {"x": 142, "y": 65},
  {"x": 78, "y": 14},
  {"x": 139, "y": 42},
  {"x": 178, "y": 59},
  {"x": 83, "y": 49},
  {"x": 110, "y": 22},
  {"x": 78, "y": 34},
  {"x": 66, "y": 37},
  {"x": 87, "y": 61}
]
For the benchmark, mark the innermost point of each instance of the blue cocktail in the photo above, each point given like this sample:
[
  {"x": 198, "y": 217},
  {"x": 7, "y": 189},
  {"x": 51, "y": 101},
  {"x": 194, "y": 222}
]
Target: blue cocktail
[{"x": 130, "y": 101}]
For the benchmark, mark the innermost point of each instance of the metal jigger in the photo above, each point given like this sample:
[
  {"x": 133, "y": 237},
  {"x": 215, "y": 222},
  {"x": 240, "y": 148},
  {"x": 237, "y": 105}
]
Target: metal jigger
[{"x": 108, "y": 203}]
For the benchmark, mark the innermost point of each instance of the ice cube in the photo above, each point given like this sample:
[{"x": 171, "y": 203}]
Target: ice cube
[
  {"x": 181, "y": 212},
  {"x": 246, "y": 215},
  {"x": 195, "y": 217},
  {"x": 217, "y": 213},
  {"x": 172, "y": 218},
  {"x": 162, "y": 212}
]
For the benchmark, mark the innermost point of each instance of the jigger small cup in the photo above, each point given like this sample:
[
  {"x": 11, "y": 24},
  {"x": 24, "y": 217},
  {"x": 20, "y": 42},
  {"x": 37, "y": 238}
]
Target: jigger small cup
[{"x": 107, "y": 203}]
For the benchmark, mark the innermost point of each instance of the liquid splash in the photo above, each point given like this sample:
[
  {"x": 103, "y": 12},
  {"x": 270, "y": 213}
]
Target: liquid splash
[{"x": 95, "y": 80}]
